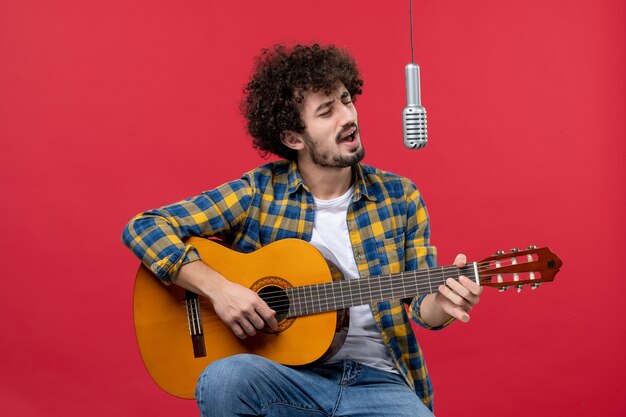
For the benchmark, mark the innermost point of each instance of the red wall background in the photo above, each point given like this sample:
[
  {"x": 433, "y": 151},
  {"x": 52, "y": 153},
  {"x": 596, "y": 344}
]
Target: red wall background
[{"x": 112, "y": 107}]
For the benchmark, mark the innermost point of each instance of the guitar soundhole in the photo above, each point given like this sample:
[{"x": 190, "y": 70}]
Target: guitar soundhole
[
  {"x": 272, "y": 291},
  {"x": 277, "y": 299}
]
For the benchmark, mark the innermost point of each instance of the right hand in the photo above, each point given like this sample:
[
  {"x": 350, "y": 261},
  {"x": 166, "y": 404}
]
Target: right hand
[
  {"x": 238, "y": 307},
  {"x": 242, "y": 309}
]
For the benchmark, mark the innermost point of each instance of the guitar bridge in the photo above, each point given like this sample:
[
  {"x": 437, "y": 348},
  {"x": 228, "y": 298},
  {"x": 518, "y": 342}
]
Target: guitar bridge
[{"x": 194, "y": 320}]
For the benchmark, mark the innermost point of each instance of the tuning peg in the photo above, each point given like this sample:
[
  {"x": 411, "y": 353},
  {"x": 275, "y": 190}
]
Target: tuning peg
[
  {"x": 500, "y": 252},
  {"x": 514, "y": 250},
  {"x": 503, "y": 289},
  {"x": 535, "y": 285},
  {"x": 532, "y": 247},
  {"x": 519, "y": 288}
]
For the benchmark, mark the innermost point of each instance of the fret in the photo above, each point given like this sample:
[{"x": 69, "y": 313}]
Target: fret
[
  {"x": 326, "y": 299},
  {"x": 299, "y": 291},
  {"x": 415, "y": 288},
  {"x": 302, "y": 294},
  {"x": 316, "y": 298},
  {"x": 386, "y": 284},
  {"x": 289, "y": 294},
  {"x": 296, "y": 302},
  {"x": 313, "y": 289},
  {"x": 351, "y": 290},
  {"x": 330, "y": 296},
  {"x": 307, "y": 298},
  {"x": 388, "y": 288},
  {"x": 293, "y": 303},
  {"x": 339, "y": 294},
  {"x": 346, "y": 294},
  {"x": 360, "y": 293}
]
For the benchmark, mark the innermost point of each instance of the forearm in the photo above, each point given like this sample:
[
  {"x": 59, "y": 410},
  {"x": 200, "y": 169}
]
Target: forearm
[{"x": 200, "y": 278}]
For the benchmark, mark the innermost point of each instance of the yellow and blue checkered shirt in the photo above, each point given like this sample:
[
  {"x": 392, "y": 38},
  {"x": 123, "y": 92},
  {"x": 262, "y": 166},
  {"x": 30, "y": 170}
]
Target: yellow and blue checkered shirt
[{"x": 387, "y": 222}]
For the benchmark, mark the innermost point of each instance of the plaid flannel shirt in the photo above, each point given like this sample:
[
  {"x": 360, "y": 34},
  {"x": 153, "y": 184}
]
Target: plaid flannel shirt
[{"x": 387, "y": 222}]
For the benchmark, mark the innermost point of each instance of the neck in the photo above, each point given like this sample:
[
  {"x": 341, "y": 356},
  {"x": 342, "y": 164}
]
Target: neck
[
  {"x": 318, "y": 298},
  {"x": 325, "y": 183}
]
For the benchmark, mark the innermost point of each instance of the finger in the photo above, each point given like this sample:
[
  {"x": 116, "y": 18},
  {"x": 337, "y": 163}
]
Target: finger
[
  {"x": 462, "y": 290},
  {"x": 460, "y": 260},
  {"x": 270, "y": 319},
  {"x": 256, "y": 320},
  {"x": 471, "y": 285},
  {"x": 453, "y": 297},
  {"x": 455, "y": 311},
  {"x": 238, "y": 331},
  {"x": 268, "y": 316},
  {"x": 247, "y": 327},
  {"x": 460, "y": 314}
]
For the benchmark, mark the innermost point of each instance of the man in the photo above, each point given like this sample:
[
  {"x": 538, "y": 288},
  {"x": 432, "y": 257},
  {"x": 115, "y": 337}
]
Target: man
[{"x": 300, "y": 106}]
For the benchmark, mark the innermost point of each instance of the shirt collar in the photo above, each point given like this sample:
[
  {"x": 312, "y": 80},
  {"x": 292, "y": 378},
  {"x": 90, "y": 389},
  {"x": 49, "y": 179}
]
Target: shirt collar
[{"x": 361, "y": 184}]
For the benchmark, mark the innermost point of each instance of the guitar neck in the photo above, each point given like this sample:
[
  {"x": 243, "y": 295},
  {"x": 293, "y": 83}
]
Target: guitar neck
[{"x": 319, "y": 298}]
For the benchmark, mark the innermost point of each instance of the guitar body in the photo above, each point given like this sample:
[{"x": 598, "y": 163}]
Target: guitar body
[{"x": 162, "y": 325}]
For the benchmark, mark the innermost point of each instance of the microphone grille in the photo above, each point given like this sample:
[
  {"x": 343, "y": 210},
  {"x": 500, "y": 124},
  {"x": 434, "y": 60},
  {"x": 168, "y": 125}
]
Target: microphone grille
[{"x": 414, "y": 127}]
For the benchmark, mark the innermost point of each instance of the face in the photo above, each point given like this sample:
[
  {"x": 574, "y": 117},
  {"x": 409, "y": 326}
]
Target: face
[{"x": 332, "y": 137}]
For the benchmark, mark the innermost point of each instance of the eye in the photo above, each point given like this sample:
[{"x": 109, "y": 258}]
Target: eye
[{"x": 325, "y": 114}]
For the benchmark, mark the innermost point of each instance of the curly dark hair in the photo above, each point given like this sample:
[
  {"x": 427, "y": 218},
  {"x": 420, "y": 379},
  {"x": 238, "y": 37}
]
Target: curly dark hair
[{"x": 281, "y": 74}]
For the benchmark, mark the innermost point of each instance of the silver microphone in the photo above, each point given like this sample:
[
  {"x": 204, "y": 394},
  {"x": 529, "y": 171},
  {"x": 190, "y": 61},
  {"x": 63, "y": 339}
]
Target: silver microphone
[{"x": 414, "y": 115}]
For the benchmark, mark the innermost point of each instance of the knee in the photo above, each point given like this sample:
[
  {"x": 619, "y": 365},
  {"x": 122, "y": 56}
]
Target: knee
[{"x": 231, "y": 376}]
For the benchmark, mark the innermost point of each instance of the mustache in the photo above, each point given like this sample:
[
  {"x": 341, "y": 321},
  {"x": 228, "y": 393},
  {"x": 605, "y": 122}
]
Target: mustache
[{"x": 347, "y": 128}]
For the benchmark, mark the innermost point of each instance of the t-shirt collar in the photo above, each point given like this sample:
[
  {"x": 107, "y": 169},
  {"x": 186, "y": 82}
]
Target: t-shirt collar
[{"x": 361, "y": 186}]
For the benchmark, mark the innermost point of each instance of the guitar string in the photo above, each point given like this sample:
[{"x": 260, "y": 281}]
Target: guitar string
[
  {"x": 310, "y": 306},
  {"x": 436, "y": 276},
  {"x": 386, "y": 280},
  {"x": 337, "y": 300},
  {"x": 416, "y": 275},
  {"x": 308, "y": 302}
]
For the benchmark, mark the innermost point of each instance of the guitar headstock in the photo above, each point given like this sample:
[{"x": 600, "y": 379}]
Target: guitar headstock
[{"x": 532, "y": 266}]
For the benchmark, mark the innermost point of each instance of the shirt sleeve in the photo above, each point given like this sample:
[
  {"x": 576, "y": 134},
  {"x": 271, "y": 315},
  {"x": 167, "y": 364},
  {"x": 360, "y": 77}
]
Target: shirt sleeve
[
  {"x": 419, "y": 254},
  {"x": 157, "y": 237}
]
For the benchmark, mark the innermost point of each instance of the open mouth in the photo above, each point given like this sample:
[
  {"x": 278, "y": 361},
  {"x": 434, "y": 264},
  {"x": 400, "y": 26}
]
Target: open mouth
[{"x": 349, "y": 135}]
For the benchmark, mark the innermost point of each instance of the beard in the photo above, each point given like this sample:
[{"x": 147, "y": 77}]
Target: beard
[{"x": 328, "y": 160}]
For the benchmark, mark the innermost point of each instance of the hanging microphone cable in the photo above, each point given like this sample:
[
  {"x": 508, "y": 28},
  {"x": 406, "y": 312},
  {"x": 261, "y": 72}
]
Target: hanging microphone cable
[{"x": 414, "y": 130}]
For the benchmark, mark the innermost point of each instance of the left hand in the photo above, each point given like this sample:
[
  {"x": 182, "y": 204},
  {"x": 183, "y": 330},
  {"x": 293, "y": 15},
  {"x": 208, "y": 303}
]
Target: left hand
[{"x": 457, "y": 297}]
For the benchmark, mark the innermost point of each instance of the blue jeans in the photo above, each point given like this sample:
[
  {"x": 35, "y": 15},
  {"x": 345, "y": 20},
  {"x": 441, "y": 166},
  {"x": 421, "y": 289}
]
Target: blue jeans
[{"x": 249, "y": 385}]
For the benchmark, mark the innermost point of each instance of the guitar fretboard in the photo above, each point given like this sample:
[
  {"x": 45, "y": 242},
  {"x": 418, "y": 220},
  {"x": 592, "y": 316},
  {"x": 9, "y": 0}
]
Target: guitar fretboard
[{"x": 319, "y": 298}]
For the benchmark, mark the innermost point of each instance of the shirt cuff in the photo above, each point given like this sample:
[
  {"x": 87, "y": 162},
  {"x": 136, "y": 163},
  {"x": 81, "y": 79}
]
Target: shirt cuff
[
  {"x": 168, "y": 268},
  {"x": 418, "y": 316}
]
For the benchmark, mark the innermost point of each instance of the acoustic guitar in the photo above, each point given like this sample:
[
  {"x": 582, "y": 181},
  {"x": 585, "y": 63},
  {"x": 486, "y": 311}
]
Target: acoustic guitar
[{"x": 179, "y": 333}]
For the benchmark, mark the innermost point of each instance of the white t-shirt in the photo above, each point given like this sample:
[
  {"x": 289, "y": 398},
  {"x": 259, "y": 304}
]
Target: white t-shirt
[{"x": 331, "y": 237}]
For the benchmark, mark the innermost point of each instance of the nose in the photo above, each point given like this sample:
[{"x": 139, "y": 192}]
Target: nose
[{"x": 348, "y": 114}]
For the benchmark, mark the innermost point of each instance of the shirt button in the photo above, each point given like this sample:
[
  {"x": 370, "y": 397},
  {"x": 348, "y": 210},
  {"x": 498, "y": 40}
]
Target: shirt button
[{"x": 309, "y": 209}]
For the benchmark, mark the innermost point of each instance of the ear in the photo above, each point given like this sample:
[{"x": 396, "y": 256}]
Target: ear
[{"x": 292, "y": 140}]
